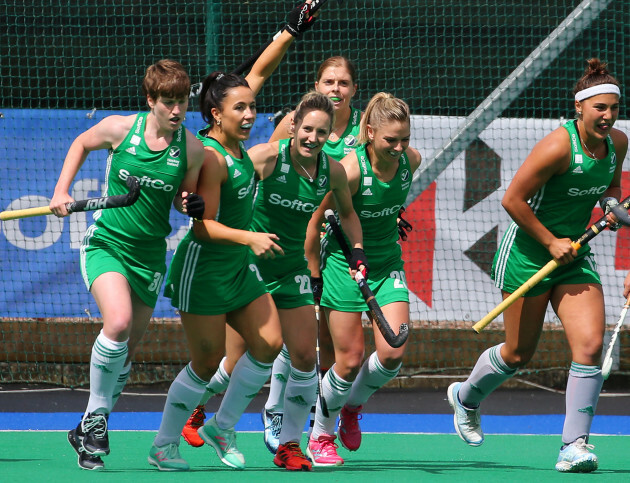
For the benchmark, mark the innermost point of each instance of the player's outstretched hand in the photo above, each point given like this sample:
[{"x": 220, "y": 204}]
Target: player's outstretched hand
[{"x": 300, "y": 19}]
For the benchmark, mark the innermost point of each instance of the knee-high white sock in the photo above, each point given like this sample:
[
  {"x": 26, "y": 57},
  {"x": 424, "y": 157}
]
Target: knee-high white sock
[
  {"x": 489, "y": 372},
  {"x": 217, "y": 384},
  {"x": 182, "y": 399},
  {"x": 106, "y": 363},
  {"x": 335, "y": 391},
  {"x": 248, "y": 377},
  {"x": 371, "y": 377},
  {"x": 583, "y": 388},
  {"x": 120, "y": 383},
  {"x": 299, "y": 397},
  {"x": 279, "y": 377}
]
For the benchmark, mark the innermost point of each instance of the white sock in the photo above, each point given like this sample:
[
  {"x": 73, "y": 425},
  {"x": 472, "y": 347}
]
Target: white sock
[
  {"x": 335, "y": 391},
  {"x": 583, "y": 388},
  {"x": 299, "y": 397},
  {"x": 106, "y": 363},
  {"x": 182, "y": 399},
  {"x": 120, "y": 383},
  {"x": 489, "y": 372},
  {"x": 371, "y": 378},
  {"x": 217, "y": 384},
  {"x": 248, "y": 377},
  {"x": 279, "y": 377}
]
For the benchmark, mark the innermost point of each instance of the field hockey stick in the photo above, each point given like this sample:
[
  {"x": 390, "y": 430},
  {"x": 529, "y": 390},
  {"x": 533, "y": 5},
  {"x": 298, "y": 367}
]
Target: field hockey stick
[
  {"x": 621, "y": 213},
  {"x": 608, "y": 358},
  {"x": 375, "y": 309},
  {"x": 318, "y": 366},
  {"x": 91, "y": 204},
  {"x": 195, "y": 89}
]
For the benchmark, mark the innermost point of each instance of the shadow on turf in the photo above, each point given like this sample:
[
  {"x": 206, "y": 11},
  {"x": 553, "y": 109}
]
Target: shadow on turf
[
  {"x": 446, "y": 467},
  {"x": 434, "y": 467}
]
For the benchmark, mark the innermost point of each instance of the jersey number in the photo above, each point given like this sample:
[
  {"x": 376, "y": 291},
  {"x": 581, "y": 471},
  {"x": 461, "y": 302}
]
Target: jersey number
[
  {"x": 305, "y": 283},
  {"x": 157, "y": 282},
  {"x": 254, "y": 268},
  {"x": 399, "y": 279}
]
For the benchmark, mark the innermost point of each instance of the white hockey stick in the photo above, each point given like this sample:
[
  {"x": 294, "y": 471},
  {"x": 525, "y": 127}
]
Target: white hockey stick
[{"x": 608, "y": 358}]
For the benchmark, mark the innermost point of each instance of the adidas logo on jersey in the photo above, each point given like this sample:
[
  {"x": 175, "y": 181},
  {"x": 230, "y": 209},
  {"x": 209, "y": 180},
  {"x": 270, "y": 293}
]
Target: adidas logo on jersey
[
  {"x": 367, "y": 192},
  {"x": 578, "y": 170},
  {"x": 282, "y": 179},
  {"x": 237, "y": 173},
  {"x": 131, "y": 150}
]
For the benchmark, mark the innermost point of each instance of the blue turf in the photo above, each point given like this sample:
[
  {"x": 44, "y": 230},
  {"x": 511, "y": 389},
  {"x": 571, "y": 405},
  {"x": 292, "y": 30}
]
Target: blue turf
[{"x": 370, "y": 423}]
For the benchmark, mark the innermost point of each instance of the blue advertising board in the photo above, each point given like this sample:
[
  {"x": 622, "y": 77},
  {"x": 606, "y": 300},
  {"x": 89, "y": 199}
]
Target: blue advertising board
[{"x": 40, "y": 274}]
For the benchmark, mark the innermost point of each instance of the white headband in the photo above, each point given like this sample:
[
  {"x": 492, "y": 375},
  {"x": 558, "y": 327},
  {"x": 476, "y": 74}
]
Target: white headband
[{"x": 595, "y": 90}]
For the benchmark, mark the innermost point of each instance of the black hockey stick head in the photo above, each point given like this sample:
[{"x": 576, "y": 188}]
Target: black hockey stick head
[
  {"x": 394, "y": 340},
  {"x": 116, "y": 201}
]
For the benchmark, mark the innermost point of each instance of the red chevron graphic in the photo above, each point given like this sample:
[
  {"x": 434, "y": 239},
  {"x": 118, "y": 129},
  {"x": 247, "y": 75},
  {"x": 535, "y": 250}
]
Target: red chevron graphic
[
  {"x": 419, "y": 248},
  {"x": 622, "y": 244}
]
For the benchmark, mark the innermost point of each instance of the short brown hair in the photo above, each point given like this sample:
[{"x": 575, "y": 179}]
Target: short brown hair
[{"x": 166, "y": 78}]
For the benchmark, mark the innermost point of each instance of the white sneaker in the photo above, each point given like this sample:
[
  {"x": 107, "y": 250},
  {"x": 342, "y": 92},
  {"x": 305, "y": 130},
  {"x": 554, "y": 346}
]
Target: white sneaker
[
  {"x": 576, "y": 458},
  {"x": 467, "y": 421},
  {"x": 273, "y": 426}
]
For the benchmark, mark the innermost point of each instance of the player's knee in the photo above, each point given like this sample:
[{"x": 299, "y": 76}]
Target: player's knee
[
  {"x": 518, "y": 358},
  {"x": 391, "y": 361},
  {"x": 590, "y": 351},
  {"x": 303, "y": 362},
  {"x": 205, "y": 366},
  {"x": 349, "y": 368},
  {"x": 351, "y": 373},
  {"x": 117, "y": 329},
  {"x": 274, "y": 346},
  {"x": 266, "y": 350}
]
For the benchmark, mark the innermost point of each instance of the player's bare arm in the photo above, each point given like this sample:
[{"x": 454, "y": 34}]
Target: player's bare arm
[
  {"x": 108, "y": 133},
  {"x": 549, "y": 157}
]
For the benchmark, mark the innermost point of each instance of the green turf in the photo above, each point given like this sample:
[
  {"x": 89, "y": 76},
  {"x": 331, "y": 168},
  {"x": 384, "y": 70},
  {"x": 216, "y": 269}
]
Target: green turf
[{"x": 47, "y": 456}]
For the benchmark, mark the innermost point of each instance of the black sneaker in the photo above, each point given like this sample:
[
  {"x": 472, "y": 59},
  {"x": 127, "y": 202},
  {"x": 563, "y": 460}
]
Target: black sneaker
[
  {"x": 85, "y": 460},
  {"x": 95, "y": 438}
]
